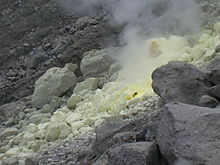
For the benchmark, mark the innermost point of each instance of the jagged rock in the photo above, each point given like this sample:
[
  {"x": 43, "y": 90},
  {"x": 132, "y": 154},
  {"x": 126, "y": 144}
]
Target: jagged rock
[
  {"x": 105, "y": 133},
  {"x": 141, "y": 153},
  {"x": 55, "y": 82},
  {"x": 180, "y": 81},
  {"x": 189, "y": 134},
  {"x": 8, "y": 132},
  {"x": 96, "y": 63},
  {"x": 208, "y": 101}
]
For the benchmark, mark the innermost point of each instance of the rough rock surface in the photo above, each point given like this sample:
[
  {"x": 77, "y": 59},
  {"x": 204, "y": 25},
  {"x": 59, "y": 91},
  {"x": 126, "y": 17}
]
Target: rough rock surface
[
  {"x": 189, "y": 134},
  {"x": 100, "y": 149},
  {"x": 141, "y": 153},
  {"x": 55, "y": 82},
  {"x": 36, "y": 35},
  {"x": 101, "y": 58},
  {"x": 180, "y": 81}
]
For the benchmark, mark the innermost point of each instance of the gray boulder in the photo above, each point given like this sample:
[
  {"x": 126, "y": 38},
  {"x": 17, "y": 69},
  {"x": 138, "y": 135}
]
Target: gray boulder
[
  {"x": 96, "y": 63},
  {"x": 214, "y": 68},
  {"x": 141, "y": 153},
  {"x": 208, "y": 101},
  {"x": 189, "y": 135},
  {"x": 55, "y": 82},
  {"x": 180, "y": 81}
]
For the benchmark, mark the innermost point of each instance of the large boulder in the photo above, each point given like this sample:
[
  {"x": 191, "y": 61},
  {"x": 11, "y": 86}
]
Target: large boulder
[
  {"x": 55, "y": 82},
  {"x": 96, "y": 63},
  {"x": 141, "y": 153},
  {"x": 189, "y": 134},
  {"x": 180, "y": 81}
]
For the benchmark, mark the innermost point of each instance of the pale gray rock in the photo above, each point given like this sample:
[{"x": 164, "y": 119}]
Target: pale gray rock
[
  {"x": 73, "y": 100},
  {"x": 39, "y": 118},
  {"x": 10, "y": 161},
  {"x": 55, "y": 82},
  {"x": 8, "y": 132},
  {"x": 86, "y": 86},
  {"x": 96, "y": 63}
]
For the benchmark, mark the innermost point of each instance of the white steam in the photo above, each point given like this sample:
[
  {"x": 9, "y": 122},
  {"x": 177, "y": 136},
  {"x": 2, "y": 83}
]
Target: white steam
[{"x": 144, "y": 17}]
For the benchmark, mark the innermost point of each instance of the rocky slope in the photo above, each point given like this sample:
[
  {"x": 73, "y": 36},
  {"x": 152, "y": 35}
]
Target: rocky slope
[
  {"x": 86, "y": 114},
  {"x": 37, "y": 35}
]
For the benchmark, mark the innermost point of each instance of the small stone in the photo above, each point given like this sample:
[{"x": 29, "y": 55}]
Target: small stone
[
  {"x": 208, "y": 101},
  {"x": 26, "y": 44},
  {"x": 57, "y": 130},
  {"x": 11, "y": 73},
  {"x": 73, "y": 100},
  {"x": 10, "y": 161},
  {"x": 9, "y": 122},
  {"x": 72, "y": 117},
  {"x": 217, "y": 27},
  {"x": 31, "y": 128},
  {"x": 21, "y": 116},
  {"x": 8, "y": 132},
  {"x": 39, "y": 118},
  {"x": 58, "y": 116},
  {"x": 71, "y": 67},
  {"x": 36, "y": 145},
  {"x": 47, "y": 108}
]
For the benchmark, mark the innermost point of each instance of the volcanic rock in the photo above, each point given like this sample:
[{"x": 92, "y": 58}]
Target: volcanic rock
[
  {"x": 180, "y": 81},
  {"x": 96, "y": 63},
  {"x": 189, "y": 134},
  {"x": 141, "y": 153},
  {"x": 208, "y": 101},
  {"x": 55, "y": 82}
]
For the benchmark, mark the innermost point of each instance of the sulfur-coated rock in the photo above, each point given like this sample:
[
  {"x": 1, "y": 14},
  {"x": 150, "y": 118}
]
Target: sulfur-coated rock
[
  {"x": 86, "y": 86},
  {"x": 180, "y": 81},
  {"x": 208, "y": 101},
  {"x": 141, "y": 153},
  {"x": 8, "y": 132},
  {"x": 73, "y": 100},
  {"x": 57, "y": 130},
  {"x": 58, "y": 116},
  {"x": 96, "y": 63},
  {"x": 217, "y": 27},
  {"x": 55, "y": 82},
  {"x": 189, "y": 134},
  {"x": 47, "y": 108}
]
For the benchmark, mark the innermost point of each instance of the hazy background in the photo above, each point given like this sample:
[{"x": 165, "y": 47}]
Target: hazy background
[{"x": 141, "y": 20}]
